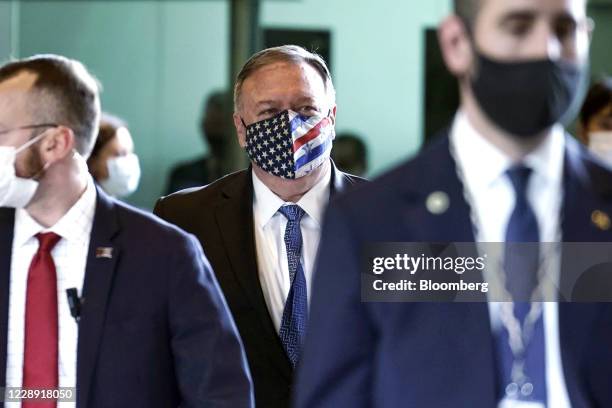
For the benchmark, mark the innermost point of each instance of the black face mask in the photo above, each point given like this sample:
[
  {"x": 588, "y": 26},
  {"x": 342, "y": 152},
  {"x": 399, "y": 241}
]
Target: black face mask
[{"x": 526, "y": 98}]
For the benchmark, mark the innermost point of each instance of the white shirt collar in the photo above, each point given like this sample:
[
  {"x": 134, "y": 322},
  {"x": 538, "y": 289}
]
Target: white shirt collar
[
  {"x": 266, "y": 203},
  {"x": 482, "y": 163},
  {"x": 78, "y": 219}
]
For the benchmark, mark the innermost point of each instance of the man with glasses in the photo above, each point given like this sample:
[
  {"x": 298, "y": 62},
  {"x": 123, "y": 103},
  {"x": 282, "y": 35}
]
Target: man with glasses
[{"x": 95, "y": 294}]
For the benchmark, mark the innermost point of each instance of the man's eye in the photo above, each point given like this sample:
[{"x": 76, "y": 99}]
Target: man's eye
[
  {"x": 268, "y": 112},
  {"x": 519, "y": 28},
  {"x": 308, "y": 109}
]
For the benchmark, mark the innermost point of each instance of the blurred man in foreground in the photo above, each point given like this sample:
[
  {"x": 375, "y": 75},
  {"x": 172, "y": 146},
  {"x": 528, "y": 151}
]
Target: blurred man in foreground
[
  {"x": 260, "y": 227},
  {"x": 506, "y": 173},
  {"x": 95, "y": 294}
]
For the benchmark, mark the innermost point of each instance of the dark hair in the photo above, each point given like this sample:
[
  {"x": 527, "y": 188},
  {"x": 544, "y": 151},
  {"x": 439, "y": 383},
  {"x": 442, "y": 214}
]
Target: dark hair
[
  {"x": 355, "y": 141},
  {"x": 218, "y": 100},
  {"x": 109, "y": 124},
  {"x": 467, "y": 10},
  {"x": 67, "y": 94},
  {"x": 599, "y": 96}
]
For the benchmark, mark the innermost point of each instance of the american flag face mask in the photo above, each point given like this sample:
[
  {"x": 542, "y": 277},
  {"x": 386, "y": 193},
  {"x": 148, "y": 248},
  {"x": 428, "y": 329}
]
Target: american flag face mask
[{"x": 290, "y": 145}]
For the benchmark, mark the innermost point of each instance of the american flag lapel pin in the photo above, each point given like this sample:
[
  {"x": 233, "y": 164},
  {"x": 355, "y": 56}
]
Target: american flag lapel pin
[{"x": 104, "y": 252}]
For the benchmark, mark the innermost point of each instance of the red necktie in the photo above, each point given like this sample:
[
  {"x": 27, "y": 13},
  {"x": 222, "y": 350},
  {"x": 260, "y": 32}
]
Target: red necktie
[{"x": 40, "y": 353}]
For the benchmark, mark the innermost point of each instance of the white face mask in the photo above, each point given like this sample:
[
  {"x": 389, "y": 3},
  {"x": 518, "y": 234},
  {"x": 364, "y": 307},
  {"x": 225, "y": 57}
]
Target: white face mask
[
  {"x": 600, "y": 144},
  {"x": 15, "y": 192},
  {"x": 123, "y": 175}
]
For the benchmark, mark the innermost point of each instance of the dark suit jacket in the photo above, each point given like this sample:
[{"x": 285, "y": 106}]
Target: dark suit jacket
[
  {"x": 221, "y": 216},
  {"x": 190, "y": 174},
  {"x": 154, "y": 329},
  {"x": 436, "y": 354}
]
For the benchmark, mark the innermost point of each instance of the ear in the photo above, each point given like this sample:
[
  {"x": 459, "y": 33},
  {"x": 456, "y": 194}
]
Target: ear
[
  {"x": 240, "y": 130},
  {"x": 456, "y": 46},
  {"x": 57, "y": 145},
  {"x": 590, "y": 28}
]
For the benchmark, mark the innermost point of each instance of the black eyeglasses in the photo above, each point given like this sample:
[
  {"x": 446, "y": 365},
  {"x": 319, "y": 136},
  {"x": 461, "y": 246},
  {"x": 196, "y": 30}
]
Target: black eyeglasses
[{"x": 42, "y": 125}]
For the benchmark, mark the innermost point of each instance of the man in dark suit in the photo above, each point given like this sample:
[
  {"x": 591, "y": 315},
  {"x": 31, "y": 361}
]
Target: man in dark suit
[
  {"x": 260, "y": 227},
  {"x": 96, "y": 294},
  {"x": 506, "y": 173}
]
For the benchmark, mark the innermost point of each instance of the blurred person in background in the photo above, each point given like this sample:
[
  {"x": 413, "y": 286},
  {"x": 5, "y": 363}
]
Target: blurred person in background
[
  {"x": 97, "y": 296},
  {"x": 215, "y": 128},
  {"x": 260, "y": 227},
  {"x": 595, "y": 126},
  {"x": 113, "y": 163},
  {"x": 350, "y": 154},
  {"x": 505, "y": 172}
]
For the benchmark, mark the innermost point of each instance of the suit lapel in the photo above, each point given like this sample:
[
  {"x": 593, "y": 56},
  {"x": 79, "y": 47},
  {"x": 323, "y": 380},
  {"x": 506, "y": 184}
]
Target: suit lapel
[
  {"x": 577, "y": 198},
  {"x": 96, "y": 289},
  {"x": 234, "y": 216},
  {"x": 583, "y": 194},
  {"x": 587, "y": 187},
  {"x": 438, "y": 178},
  {"x": 458, "y": 217},
  {"x": 7, "y": 221},
  {"x": 339, "y": 181}
]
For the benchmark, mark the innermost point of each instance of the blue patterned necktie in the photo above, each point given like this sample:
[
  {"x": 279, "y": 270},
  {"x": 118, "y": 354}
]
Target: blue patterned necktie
[
  {"x": 521, "y": 260},
  {"x": 521, "y": 264},
  {"x": 295, "y": 314}
]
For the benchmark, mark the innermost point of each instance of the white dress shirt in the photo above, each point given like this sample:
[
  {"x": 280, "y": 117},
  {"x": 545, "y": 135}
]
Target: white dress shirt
[
  {"x": 492, "y": 198},
  {"x": 269, "y": 227},
  {"x": 70, "y": 258}
]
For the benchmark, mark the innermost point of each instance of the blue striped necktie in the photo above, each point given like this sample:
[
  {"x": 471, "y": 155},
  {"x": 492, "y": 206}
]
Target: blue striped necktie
[
  {"x": 295, "y": 314},
  {"x": 521, "y": 263}
]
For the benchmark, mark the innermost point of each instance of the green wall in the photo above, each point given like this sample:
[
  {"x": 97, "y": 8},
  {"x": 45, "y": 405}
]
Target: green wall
[
  {"x": 5, "y": 29},
  {"x": 377, "y": 57},
  {"x": 158, "y": 59},
  {"x": 601, "y": 47}
]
